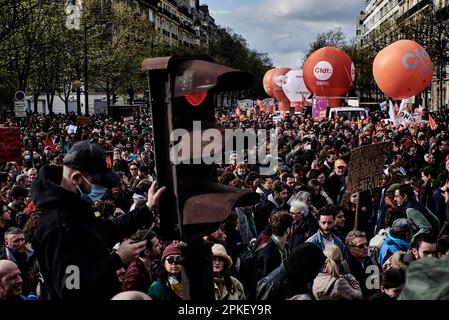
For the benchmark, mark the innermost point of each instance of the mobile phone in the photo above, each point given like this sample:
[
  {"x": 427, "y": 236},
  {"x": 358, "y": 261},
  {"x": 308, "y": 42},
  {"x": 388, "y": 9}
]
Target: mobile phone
[{"x": 141, "y": 234}]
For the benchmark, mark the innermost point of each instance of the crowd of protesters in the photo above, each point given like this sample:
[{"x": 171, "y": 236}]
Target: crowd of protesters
[{"x": 301, "y": 232}]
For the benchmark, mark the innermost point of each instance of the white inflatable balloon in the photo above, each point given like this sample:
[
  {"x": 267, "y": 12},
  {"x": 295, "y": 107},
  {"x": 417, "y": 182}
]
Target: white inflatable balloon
[{"x": 295, "y": 88}]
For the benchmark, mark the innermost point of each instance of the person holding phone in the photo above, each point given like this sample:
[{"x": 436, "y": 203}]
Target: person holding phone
[{"x": 73, "y": 247}]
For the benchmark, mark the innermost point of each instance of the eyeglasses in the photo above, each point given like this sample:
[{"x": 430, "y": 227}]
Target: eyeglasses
[
  {"x": 361, "y": 246},
  {"x": 174, "y": 261}
]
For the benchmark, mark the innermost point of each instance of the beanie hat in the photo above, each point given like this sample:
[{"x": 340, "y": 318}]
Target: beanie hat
[
  {"x": 219, "y": 250},
  {"x": 171, "y": 250}
]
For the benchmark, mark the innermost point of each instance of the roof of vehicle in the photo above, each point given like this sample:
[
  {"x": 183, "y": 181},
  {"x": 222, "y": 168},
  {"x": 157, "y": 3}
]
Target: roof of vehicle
[{"x": 348, "y": 109}]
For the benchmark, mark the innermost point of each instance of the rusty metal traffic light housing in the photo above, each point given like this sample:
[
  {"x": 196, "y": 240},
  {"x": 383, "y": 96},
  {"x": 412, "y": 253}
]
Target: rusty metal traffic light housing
[{"x": 182, "y": 91}]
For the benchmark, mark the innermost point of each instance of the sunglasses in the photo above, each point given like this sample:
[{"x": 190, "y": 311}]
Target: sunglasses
[
  {"x": 361, "y": 246},
  {"x": 174, "y": 261}
]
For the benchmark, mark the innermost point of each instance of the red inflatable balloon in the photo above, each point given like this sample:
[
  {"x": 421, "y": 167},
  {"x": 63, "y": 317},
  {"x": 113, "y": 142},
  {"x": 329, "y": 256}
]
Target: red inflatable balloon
[
  {"x": 277, "y": 79},
  {"x": 402, "y": 70},
  {"x": 329, "y": 72},
  {"x": 266, "y": 82}
]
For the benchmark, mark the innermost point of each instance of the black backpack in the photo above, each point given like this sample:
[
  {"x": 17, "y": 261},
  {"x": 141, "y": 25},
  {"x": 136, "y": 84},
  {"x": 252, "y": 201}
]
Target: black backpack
[
  {"x": 247, "y": 260},
  {"x": 21, "y": 219}
]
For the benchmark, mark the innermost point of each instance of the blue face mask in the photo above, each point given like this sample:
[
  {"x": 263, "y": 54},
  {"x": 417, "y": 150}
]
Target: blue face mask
[
  {"x": 27, "y": 157},
  {"x": 96, "y": 192}
]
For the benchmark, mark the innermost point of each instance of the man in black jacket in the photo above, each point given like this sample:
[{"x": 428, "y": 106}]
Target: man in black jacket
[
  {"x": 276, "y": 249},
  {"x": 73, "y": 247}
]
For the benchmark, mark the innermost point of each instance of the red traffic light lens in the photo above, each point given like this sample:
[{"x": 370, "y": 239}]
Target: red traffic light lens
[{"x": 195, "y": 99}]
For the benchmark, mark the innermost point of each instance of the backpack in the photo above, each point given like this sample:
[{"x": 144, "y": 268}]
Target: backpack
[
  {"x": 247, "y": 259},
  {"x": 21, "y": 219}
]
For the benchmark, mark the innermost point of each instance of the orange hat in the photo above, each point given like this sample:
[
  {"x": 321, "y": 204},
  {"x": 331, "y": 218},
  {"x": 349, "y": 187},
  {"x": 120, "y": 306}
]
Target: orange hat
[{"x": 339, "y": 163}]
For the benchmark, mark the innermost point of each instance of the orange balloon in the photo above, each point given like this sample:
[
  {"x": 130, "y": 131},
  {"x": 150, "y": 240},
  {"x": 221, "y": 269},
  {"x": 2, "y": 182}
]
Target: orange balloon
[
  {"x": 266, "y": 82},
  {"x": 277, "y": 77},
  {"x": 283, "y": 107},
  {"x": 403, "y": 69},
  {"x": 328, "y": 72}
]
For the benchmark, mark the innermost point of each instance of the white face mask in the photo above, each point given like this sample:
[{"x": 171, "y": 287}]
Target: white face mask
[{"x": 241, "y": 172}]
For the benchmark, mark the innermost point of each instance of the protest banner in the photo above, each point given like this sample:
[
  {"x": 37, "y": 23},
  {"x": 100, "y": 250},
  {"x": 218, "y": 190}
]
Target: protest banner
[
  {"x": 319, "y": 108},
  {"x": 10, "y": 144},
  {"x": 129, "y": 119},
  {"x": 72, "y": 129},
  {"x": 403, "y": 114},
  {"x": 365, "y": 168},
  {"x": 81, "y": 120}
]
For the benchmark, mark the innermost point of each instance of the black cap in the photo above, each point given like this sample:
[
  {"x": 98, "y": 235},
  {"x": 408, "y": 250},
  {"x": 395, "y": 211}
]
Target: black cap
[{"x": 87, "y": 156}]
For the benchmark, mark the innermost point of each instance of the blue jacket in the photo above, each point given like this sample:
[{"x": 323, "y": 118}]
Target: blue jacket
[
  {"x": 318, "y": 240},
  {"x": 390, "y": 246}
]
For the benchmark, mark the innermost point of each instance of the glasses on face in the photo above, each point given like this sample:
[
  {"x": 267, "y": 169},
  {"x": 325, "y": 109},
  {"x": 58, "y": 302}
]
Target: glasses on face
[
  {"x": 361, "y": 246},
  {"x": 176, "y": 261}
]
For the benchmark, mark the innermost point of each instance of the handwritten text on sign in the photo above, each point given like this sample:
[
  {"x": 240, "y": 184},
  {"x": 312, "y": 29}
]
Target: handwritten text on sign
[
  {"x": 10, "y": 146},
  {"x": 366, "y": 167}
]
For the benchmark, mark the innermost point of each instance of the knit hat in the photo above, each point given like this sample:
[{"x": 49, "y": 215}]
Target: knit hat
[
  {"x": 402, "y": 224},
  {"x": 171, "y": 250},
  {"x": 219, "y": 250}
]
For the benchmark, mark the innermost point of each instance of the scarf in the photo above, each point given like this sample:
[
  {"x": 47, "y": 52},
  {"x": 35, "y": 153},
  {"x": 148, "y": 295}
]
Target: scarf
[{"x": 175, "y": 285}]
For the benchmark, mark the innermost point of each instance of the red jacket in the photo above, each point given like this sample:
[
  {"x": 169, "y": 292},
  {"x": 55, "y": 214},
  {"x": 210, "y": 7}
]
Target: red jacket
[{"x": 137, "y": 277}]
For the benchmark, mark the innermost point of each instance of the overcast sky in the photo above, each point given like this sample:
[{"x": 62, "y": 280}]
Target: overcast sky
[{"x": 285, "y": 28}]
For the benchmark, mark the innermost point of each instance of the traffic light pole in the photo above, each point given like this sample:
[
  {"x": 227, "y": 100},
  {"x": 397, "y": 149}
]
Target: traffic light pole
[{"x": 197, "y": 272}]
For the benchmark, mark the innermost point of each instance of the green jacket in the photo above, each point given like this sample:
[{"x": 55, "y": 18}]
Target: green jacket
[
  {"x": 423, "y": 224},
  {"x": 159, "y": 290},
  {"x": 427, "y": 279}
]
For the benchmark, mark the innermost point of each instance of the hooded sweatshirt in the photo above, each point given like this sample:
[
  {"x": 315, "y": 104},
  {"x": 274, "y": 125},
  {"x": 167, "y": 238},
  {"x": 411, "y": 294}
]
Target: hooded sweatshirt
[{"x": 390, "y": 246}]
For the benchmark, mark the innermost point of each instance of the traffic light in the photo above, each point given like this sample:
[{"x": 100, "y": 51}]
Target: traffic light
[
  {"x": 194, "y": 204},
  {"x": 182, "y": 90}
]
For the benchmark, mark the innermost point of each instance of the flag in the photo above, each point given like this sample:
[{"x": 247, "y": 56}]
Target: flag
[
  {"x": 432, "y": 123},
  {"x": 49, "y": 143}
]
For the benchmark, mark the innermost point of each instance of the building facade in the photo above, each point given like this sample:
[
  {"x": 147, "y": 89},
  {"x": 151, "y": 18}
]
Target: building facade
[{"x": 179, "y": 22}]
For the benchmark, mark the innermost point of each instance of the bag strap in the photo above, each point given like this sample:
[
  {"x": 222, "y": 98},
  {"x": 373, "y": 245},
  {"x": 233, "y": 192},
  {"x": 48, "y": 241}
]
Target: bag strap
[{"x": 263, "y": 245}]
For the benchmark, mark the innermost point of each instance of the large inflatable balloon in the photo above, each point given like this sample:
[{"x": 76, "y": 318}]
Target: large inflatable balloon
[
  {"x": 266, "y": 82},
  {"x": 277, "y": 78},
  {"x": 329, "y": 72},
  {"x": 295, "y": 89},
  {"x": 402, "y": 70}
]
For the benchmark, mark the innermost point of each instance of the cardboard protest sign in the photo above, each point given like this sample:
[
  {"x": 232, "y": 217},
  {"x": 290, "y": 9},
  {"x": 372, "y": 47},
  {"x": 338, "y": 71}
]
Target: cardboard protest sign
[
  {"x": 10, "y": 145},
  {"x": 366, "y": 167}
]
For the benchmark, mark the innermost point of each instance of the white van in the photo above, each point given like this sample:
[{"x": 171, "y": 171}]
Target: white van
[
  {"x": 348, "y": 113},
  {"x": 277, "y": 115}
]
